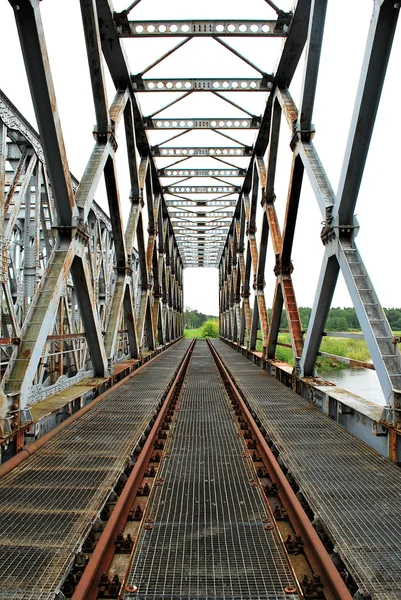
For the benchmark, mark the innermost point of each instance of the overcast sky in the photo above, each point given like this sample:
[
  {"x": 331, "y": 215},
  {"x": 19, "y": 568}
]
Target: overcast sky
[{"x": 378, "y": 209}]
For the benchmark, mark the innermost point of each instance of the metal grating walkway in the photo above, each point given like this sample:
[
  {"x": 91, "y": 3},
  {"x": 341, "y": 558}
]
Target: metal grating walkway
[
  {"x": 48, "y": 503},
  {"x": 355, "y": 491},
  {"x": 208, "y": 540}
]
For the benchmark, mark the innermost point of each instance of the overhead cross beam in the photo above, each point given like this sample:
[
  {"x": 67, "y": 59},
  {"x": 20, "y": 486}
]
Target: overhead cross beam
[
  {"x": 195, "y": 123},
  {"x": 201, "y": 28},
  {"x": 203, "y": 85}
]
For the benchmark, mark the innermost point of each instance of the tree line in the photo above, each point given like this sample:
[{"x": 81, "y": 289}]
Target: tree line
[
  {"x": 194, "y": 319},
  {"x": 339, "y": 319},
  {"x": 344, "y": 319}
]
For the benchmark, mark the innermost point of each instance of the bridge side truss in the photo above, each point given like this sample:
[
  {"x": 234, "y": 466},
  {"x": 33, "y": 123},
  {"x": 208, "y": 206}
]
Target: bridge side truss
[
  {"x": 80, "y": 292},
  {"x": 243, "y": 262}
]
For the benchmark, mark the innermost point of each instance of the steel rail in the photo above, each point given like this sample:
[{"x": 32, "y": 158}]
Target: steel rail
[
  {"x": 29, "y": 449},
  {"x": 334, "y": 586},
  {"x": 99, "y": 562}
]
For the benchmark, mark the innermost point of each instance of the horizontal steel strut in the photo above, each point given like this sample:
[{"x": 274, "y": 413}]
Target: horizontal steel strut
[
  {"x": 211, "y": 123},
  {"x": 219, "y": 151},
  {"x": 201, "y": 172},
  {"x": 202, "y": 85},
  {"x": 180, "y": 28}
]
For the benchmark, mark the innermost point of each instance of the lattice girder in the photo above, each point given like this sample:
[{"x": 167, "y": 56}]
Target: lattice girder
[{"x": 340, "y": 226}]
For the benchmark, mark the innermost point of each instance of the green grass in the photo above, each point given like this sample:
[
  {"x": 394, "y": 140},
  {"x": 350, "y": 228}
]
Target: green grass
[
  {"x": 210, "y": 328},
  {"x": 350, "y": 348},
  {"x": 193, "y": 333}
]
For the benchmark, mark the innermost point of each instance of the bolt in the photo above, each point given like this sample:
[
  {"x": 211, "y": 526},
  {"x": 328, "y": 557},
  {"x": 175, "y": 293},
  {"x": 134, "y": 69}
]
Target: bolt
[
  {"x": 80, "y": 560},
  {"x": 138, "y": 514},
  {"x": 113, "y": 589}
]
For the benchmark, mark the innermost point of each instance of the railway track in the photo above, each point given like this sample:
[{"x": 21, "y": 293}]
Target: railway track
[
  {"x": 206, "y": 512},
  {"x": 190, "y": 494}
]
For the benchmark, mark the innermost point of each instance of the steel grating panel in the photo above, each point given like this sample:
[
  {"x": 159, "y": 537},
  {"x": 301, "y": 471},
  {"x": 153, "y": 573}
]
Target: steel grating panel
[
  {"x": 208, "y": 539},
  {"x": 48, "y": 503},
  {"x": 355, "y": 491}
]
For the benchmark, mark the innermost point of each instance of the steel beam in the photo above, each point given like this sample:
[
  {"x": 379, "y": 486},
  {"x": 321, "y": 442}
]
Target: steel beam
[
  {"x": 201, "y": 189},
  {"x": 374, "y": 67},
  {"x": 226, "y": 151},
  {"x": 201, "y": 172},
  {"x": 313, "y": 50},
  {"x": 30, "y": 29},
  {"x": 203, "y": 85},
  {"x": 180, "y": 28},
  {"x": 94, "y": 53},
  {"x": 196, "y": 123}
]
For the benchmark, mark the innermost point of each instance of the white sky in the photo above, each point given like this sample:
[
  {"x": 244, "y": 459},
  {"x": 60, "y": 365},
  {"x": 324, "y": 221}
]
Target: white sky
[{"x": 378, "y": 208}]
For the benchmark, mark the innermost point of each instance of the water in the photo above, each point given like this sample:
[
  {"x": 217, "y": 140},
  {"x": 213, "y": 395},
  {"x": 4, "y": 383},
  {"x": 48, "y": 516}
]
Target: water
[{"x": 362, "y": 382}]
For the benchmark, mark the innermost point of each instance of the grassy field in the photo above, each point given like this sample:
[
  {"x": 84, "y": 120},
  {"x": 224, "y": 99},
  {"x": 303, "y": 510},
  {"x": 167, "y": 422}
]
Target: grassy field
[
  {"x": 199, "y": 333},
  {"x": 193, "y": 333},
  {"x": 350, "y": 348}
]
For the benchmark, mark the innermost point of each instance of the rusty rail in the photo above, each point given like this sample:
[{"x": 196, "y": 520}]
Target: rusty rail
[
  {"x": 334, "y": 586},
  {"x": 29, "y": 449},
  {"x": 99, "y": 563}
]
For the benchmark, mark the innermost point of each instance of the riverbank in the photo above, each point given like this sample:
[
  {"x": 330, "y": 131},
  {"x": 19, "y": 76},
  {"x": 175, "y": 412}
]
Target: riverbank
[{"x": 347, "y": 347}]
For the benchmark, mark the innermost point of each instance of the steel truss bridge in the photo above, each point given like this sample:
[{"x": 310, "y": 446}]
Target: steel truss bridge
[{"x": 93, "y": 367}]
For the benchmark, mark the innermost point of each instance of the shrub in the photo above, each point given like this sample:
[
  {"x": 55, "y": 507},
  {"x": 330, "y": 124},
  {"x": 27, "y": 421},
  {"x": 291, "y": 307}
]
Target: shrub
[{"x": 210, "y": 329}]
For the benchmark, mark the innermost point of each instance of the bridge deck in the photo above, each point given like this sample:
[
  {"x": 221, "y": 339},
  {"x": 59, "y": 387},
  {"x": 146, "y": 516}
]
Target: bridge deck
[
  {"x": 354, "y": 491},
  {"x": 48, "y": 503},
  {"x": 208, "y": 539}
]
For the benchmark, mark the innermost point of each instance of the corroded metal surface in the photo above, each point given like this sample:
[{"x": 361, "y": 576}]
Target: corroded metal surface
[{"x": 50, "y": 501}]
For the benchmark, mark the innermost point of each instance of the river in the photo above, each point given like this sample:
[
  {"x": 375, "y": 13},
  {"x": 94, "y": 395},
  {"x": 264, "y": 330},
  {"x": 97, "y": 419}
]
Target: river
[{"x": 363, "y": 382}]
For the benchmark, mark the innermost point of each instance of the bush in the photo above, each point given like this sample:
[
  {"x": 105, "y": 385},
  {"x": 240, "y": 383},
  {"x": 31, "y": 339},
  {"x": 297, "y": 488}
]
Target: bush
[{"x": 210, "y": 329}]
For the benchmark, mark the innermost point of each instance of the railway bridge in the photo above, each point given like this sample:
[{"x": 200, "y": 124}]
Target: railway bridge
[{"x": 136, "y": 463}]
